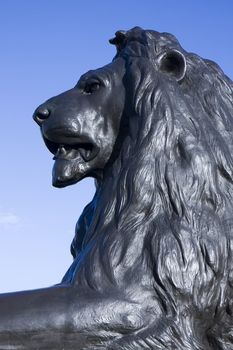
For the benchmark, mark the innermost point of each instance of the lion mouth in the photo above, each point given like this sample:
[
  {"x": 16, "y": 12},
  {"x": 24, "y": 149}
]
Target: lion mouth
[
  {"x": 86, "y": 150},
  {"x": 73, "y": 160}
]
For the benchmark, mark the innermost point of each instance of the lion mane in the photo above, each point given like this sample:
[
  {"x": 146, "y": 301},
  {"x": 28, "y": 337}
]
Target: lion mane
[{"x": 169, "y": 215}]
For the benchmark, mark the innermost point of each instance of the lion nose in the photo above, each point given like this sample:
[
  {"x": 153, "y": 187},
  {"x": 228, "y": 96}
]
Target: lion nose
[{"x": 41, "y": 114}]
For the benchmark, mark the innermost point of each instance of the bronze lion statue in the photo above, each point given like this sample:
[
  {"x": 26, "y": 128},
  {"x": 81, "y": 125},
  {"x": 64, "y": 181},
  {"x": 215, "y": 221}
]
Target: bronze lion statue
[{"x": 153, "y": 251}]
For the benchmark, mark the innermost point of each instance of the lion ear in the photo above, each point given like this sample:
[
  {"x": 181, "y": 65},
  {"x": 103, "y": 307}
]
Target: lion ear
[
  {"x": 173, "y": 63},
  {"x": 119, "y": 40}
]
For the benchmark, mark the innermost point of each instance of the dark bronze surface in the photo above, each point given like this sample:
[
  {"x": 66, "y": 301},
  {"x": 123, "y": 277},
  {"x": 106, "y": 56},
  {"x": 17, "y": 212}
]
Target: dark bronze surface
[{"x": 152, "y": 252}]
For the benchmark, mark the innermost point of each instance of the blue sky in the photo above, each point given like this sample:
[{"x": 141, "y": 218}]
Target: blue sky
[{"x": 45, "y": 47}]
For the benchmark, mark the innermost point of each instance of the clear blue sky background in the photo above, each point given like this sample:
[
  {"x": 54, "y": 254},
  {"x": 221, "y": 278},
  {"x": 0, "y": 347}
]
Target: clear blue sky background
[{"x": 45, "y": 46}]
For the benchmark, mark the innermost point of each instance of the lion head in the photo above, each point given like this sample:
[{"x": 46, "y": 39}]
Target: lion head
[
  {"x": 155, "y": 128},
  {"x": 80, "y": 126}
]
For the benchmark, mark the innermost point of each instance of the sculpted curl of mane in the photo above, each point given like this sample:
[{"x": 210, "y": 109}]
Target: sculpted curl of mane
[{"x": 171, "y": 194}]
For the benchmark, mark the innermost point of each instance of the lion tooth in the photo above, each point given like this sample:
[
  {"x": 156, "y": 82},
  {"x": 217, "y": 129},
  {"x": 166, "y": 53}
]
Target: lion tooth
[
  {"x": 85, "y": 154},
  {"x": 62, "y": 150},
  {"x": 88, "y": 153},
  {"x": 82, "y": 153}
]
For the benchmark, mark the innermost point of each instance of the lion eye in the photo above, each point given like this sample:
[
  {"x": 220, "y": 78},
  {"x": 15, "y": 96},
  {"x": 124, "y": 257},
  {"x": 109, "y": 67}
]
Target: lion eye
[{"x": 91, "y": 87}]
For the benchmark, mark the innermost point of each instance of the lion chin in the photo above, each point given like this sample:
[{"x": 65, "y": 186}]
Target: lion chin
[{"x": 154, "y": 249}]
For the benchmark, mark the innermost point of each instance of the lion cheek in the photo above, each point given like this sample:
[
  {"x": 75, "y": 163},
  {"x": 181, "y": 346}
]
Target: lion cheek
[{"x": 67, "y": 172}]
